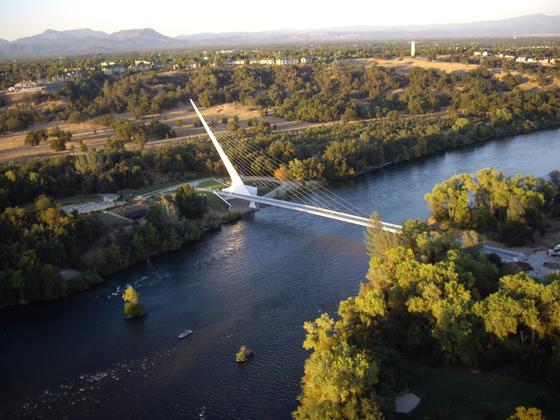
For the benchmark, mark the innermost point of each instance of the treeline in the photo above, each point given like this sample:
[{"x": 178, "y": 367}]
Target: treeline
[
  {"x": 330, "y": 92},
  {"x": 338, "y": 151},
  {"x": 35, "y": 244},
  {"x": 40, "y": 241},
  {"x": 347, "y": 150},
  {"x": 107, "y": 170},
  {"x": 169, "y": 224},
  {"x": 512, "y": 210},
  {"x": 15, "y": 120},
  {"x": 98, "y": 95},
  {"x": 316, "y": 92},
  {"x": 427, "y": 301},
  {"x": 139, "y": 133}
]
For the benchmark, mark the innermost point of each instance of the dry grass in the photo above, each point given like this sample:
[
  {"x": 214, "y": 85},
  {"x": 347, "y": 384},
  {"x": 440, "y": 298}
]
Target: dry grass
[
  {"x": 12, "y": 145},
  {"x": 94, "y": 136},
  {"x": 405, "y": 65}
]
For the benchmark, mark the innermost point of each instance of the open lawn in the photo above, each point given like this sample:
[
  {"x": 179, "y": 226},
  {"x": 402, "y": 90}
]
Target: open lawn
[
  {"x": 459, "y": 394},
  {"x": 212, "y": 184},
  {"x": 214, "y": 203},
  {"x": 109, "y": 220}
]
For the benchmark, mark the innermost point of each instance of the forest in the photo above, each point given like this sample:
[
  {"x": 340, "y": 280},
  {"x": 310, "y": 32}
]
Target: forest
[
  {"x": 318, "y": 92},
  {"x": 512, "y": 210},
  {"x": 427, "y": 301},
  {"x": 338, "y": 151},
  {"x": 41, "y": 240}
]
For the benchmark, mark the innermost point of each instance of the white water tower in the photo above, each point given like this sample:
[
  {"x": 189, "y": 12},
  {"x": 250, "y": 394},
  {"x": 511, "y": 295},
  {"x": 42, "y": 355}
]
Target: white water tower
[{"x": 412, "y": 48}]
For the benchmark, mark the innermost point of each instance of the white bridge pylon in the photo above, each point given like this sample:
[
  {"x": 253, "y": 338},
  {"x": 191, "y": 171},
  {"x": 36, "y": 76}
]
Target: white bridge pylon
[
  {"x": 237, "y": 185},
  {"x": 249, "y": 193}
]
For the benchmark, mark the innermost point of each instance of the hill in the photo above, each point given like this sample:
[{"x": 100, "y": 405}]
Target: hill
[{"x": 87, "y": 41}]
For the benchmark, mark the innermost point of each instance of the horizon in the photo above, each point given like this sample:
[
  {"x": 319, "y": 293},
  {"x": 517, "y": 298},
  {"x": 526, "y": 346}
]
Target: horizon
[{"x": 61, "y": 15}]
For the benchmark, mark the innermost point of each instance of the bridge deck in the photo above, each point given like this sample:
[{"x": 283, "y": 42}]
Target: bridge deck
[{"x": 331, "y": 214}]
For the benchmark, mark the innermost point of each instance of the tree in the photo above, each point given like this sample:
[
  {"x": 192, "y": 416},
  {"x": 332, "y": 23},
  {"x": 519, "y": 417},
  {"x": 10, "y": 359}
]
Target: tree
[
  {"x": 34, "y": 137},
  {"x": 190, "y": 204},
  {"x": 531, "y": 413},
  {"x": 282, "y": 173},
  {"x": 509, "y": 81},
  {"x": 243, "y": 354},
  {"x": 59, "y": 139},
  {"x": 393, "y": 116},
  {"x": 377, "y": 240},
  {"x": 233, "y": 124},
  {"x": 337, "y": 376},
  {"x": 132, "y": 306}
]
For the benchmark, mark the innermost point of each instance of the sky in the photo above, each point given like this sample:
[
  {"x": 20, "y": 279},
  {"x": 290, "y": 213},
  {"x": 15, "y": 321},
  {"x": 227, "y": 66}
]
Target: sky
[{"x": 20, "y": 18}]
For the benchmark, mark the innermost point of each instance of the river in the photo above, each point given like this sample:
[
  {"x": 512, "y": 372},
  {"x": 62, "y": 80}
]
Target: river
[{"x": 254, "y": 282}]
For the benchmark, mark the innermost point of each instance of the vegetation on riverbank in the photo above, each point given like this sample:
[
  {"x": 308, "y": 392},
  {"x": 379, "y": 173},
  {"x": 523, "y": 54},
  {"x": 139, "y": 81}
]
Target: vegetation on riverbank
[
  {"x": 511, "y": 210},
  {"x": 429, "y": 301},
  {"x": 39, "y": 241}
]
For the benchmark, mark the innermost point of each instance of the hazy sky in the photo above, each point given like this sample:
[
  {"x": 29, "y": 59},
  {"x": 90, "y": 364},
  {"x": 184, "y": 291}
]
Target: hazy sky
[{"x": 175, "y": 17}]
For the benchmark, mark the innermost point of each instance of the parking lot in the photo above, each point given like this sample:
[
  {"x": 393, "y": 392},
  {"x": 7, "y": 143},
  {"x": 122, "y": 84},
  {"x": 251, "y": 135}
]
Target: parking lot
[{"x": 537, "y": 260}]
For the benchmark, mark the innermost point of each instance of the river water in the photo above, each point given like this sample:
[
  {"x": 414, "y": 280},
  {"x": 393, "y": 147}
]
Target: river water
[{"x": 255, "y": 282}]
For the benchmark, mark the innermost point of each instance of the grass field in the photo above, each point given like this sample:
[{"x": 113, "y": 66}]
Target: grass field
[
  {"x": 110, "y": 220},
  {"x": 78, "y": 199},
  {"x": 212, "y": 184},
  {"x": 214, "y": 203},
  {"x": 459, "y": 394}
]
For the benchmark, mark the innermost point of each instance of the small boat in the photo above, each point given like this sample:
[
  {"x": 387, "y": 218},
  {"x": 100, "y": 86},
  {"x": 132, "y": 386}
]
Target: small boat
[{"x": 184, "y": 334}]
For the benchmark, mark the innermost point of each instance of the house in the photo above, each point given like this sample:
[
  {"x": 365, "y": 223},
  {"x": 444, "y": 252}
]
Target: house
[
  {"x": 24, "y": 86},
  {"x": 141, "y": 65},
  {"x": 286, "y": 61},
  {"x": 112, "y": 68},
  {"x": 109, "y": 198}
]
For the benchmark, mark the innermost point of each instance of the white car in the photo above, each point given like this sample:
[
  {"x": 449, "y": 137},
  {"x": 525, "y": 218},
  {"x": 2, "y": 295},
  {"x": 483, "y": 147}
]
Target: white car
[{"x": 554, "y": 251}]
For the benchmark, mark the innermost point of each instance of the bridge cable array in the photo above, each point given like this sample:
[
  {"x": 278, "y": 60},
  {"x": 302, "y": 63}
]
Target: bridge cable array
[{"x": 317, "y": 195}]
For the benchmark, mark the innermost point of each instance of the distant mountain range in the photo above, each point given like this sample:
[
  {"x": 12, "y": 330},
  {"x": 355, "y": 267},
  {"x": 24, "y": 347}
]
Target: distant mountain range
[{"x": 87, "y": 41}]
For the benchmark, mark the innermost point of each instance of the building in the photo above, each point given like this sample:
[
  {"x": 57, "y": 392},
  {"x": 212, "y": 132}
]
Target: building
[
  {"x": 110, "y": 198},
  {"x": 24, "y": 86},
  {"x": 141, "y": 65},
  {"x": 112, "y": 68},
  {"x": 413, "y": 49}
]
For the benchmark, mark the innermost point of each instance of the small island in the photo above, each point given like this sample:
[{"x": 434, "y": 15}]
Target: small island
[
  {"x": 133, "y": 308},
  {"x": 243, "y": 354}
]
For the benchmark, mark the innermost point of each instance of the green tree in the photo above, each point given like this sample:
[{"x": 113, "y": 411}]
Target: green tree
[
  {"x": 523, "y": 413},
  {"x": 132, "y": 306},
  {"x": 189, "y": 204}
]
